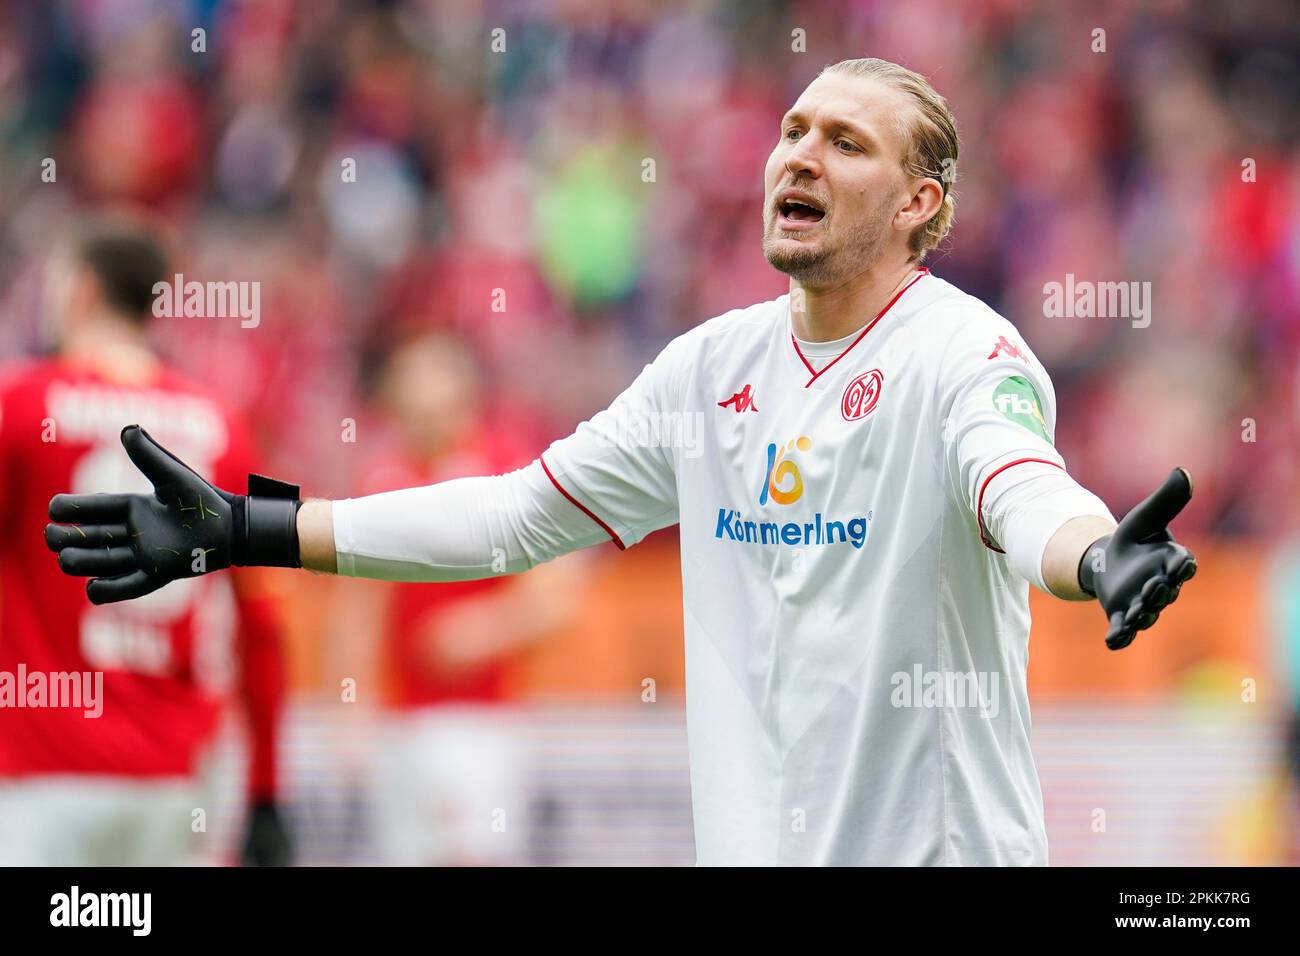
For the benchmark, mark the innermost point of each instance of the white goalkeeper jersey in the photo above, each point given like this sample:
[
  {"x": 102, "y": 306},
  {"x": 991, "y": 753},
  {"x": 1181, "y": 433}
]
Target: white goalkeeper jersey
[
  {"x": 856, "y": 642},
  {"x": 856, "y": 639}
]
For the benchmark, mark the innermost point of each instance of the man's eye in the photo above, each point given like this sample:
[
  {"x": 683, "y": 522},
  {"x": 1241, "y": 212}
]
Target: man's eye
[
  {"x": 846, "y": 146},
  {"x": 792, "y": 134}
]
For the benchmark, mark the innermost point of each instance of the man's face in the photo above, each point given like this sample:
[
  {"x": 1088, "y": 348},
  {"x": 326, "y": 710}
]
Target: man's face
[
  {"x": 431, "y": 389},
  {"x": 835, "y": 181},
  {"x": 70, "y": 293}
]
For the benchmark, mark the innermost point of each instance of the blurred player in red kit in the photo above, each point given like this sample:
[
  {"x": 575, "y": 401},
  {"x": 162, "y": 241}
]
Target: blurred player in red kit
[
  {"x": 118, "y": 783},
  {"x": 447, "y": 778}
]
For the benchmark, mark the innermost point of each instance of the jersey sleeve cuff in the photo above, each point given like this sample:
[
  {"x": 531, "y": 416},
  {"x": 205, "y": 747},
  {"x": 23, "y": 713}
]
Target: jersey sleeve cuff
[{"x": 341, "y": 512}]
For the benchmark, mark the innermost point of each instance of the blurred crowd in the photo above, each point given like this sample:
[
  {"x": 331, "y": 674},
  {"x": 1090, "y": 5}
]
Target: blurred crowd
[
  {"x": 530, "y": 197},
  {"x": 568, "y": 184}
]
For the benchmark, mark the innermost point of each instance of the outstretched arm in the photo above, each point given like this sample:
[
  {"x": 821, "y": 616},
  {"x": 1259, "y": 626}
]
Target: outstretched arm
[
  {"x": 1135, "y": 569},
  {"x": 460, "y": 530},
  {"x": 605, "y": 482},
  {"x": 1000, "y": 419}
]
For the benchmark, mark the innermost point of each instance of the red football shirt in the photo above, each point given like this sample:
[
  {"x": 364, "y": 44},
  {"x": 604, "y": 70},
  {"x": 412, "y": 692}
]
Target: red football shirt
[{"x": 168, "y": 658}]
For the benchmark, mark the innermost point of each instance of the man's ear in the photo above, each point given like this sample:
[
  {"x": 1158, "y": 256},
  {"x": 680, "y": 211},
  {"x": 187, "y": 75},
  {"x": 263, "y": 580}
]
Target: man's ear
[{"x": 926, "y": 200}]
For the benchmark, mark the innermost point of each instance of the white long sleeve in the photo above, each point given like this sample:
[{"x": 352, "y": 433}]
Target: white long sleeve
[
  {"x": 613, "y": 479},
  {"x": 460, "y": 530},
  {"x": 1025, "y": 506},
  {"x": 1000, "y": 422}
]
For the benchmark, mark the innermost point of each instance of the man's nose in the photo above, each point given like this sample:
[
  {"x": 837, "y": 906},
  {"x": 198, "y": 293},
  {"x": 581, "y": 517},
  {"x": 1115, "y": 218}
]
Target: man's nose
[{"x": 805, "y": 158}]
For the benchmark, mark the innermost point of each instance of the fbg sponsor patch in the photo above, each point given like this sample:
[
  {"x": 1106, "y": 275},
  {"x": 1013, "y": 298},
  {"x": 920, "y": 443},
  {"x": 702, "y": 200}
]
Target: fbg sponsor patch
[{"x": 1017, "y": 400}]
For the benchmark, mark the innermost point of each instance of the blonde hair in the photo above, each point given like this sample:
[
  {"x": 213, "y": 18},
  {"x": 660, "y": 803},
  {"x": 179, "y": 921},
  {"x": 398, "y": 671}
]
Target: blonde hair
[{"x": 931, "y": 136}]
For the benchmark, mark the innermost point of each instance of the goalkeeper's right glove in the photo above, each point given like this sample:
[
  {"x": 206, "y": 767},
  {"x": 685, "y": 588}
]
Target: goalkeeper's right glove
[
  {"x": 132, "y": 545},
  {"x": 1138, "y": 571}
]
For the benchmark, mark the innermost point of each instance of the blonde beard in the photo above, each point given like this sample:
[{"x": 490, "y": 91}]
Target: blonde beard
[{"x": 829, "y": 265}]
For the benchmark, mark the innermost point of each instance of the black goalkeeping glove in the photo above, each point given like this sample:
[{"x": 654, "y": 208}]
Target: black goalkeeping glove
[
  {"x": 134, "y": 544},
  {"x": 1136, "y": 572}
]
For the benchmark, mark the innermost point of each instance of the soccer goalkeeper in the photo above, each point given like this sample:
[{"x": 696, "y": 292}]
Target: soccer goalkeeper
[{"x": 878, "y": 487}]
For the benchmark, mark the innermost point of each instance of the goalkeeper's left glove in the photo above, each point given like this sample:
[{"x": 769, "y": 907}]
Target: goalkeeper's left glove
[
  {"x": 1137, "y": 572},
  {"x": 132, "y": 545}
]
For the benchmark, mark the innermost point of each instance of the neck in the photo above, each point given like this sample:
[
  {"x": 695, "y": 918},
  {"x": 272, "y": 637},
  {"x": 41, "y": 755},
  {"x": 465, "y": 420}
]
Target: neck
[
  {"x": 118, "y": 351},
  {"x": 833, "y": 312}
]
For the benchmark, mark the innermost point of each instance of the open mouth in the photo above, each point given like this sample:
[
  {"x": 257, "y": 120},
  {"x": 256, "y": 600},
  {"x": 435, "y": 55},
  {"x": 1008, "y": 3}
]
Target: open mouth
[
  {"x": 798, "y": 209},
  {"x": 801, "y": 212}
]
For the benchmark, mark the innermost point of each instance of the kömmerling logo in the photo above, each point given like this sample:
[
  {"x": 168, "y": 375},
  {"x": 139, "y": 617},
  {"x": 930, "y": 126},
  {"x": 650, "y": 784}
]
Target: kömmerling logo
[
  {"x": 783, "y": 484},
  {"x": 780, "y": 468},
  {"x": 733, "y": 526}
]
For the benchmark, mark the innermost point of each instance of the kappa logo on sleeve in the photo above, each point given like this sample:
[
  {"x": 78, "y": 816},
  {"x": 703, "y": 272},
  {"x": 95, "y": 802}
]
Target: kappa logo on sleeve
[
  {"x": 1010, "y": 349},
  {"x": 1017, "y": 400}
]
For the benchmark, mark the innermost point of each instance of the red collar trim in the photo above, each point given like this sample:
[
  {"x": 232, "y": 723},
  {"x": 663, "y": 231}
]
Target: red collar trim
[{"x": 923, "y": 271}]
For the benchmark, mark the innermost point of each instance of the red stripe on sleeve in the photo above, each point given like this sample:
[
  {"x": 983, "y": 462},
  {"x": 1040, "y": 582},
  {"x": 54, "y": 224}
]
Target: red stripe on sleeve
[
  {"x": 979, "y": 503},
  {"x": 608, "y": 530}
]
